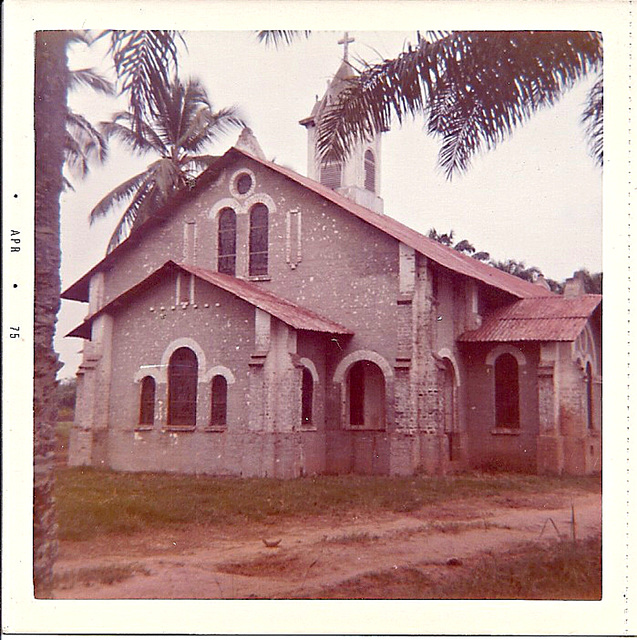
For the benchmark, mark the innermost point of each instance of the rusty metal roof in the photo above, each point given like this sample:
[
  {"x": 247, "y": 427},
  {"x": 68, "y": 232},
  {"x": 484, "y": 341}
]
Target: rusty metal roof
[
  {"x": 439, "y": 253},
  {"x": 548, "y": 319},
  {"x": 442, "y": 255},
  {"x": 290, "y": 313}
]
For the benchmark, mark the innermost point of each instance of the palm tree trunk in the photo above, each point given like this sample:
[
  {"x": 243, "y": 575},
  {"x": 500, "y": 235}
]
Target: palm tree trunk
[{"x": 50, "y": 114}]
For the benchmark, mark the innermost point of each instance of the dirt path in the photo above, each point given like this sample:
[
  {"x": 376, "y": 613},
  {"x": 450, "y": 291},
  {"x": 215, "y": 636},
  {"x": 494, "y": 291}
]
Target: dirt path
[{"x": 315, "y": 552}]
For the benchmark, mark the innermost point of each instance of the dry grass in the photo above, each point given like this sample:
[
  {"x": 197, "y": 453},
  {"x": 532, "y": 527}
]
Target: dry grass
[
  {"x": 106, "y": 574},
  {"x": 267, "y": 565},
  {"x": 559, "y": 571}
]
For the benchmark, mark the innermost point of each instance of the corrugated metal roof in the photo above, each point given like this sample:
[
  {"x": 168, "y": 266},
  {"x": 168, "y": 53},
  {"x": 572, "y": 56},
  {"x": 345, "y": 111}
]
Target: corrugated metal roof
[
  {"x": 445, "y": 256},
  {"x": 290, "y": 313},
  {"x": 439, "y": 253},
  {"x": 548, "y": 319}
]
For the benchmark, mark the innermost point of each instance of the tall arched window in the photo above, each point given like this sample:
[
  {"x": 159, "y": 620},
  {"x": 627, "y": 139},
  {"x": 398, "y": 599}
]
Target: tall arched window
[
  {"x": 589, "y": 396},
  {"x": 182, "y": 387},
  {"x": 219, "y": 401},
  {"x": 258, "y": 240},
  {"x": 507, "y": 392},
  {"x": 366, "y": 395},
  {"x": 227, "y": 242},
  {"x": 370, "y": 171},
  {"x": 332, "y": 175},
  {"x": 307, "y": 396},
  {"x": 147, "y": 401}
]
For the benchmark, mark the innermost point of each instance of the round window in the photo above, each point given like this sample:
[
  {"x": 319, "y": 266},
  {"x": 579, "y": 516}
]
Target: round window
[{"x": 244, "y": 183}]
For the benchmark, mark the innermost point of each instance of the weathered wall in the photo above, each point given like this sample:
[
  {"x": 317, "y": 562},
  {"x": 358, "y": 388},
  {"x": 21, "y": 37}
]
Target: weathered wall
[{"x": 489, "y": 447}]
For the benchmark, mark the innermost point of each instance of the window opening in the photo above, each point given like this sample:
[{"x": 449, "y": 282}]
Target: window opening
[
  {"x": 244, "y": 183},
  {"x": 366, "y": 388},
  {"x": 219, "y": 406},
  {"x": 331, "y": 175},
  {"x": 370, "y": 171},
  {"x": 307, "y": 392},
  {"x": 147, "y": 401},
  {"x": 507, "y": 392},
  {"x": 182, "y": 387},
  {"x": 589, "y": 396},
  {"x": 258, "y": 240},
  {"x": 227, "y": 245}
]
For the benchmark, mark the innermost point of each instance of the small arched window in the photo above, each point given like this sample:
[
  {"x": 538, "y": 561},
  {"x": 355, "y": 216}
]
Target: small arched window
[
  {"x": 182, "y": 387},
  {"x": 258, "y": 240},
  {"x": 332, "y": 175},
  {"x": 147, "y": 401},
  {"x": 227, "y": 242},
  {"x": 370, "y": 171},
  {"x": 219, "y": 401},
  {"x": 507, "y": 392},
  {"x": 589, "y": 397},
  {"x": 307, "y": 396}
]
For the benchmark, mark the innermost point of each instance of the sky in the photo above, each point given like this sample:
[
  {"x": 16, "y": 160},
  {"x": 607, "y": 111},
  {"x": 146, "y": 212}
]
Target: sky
[{"x": 536, "y": 198}]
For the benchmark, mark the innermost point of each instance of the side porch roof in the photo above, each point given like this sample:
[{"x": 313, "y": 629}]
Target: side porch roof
[{"x": 554, "y": 319}]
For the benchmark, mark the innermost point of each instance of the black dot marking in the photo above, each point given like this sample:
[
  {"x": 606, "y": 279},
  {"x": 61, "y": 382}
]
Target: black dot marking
[
  {"x": 15, "y": 195},
  {"x": 15, "y": 286}
]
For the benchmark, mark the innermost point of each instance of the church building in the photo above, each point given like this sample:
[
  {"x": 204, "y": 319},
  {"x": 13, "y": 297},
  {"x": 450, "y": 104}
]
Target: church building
[{"x": 264, "y": 323}]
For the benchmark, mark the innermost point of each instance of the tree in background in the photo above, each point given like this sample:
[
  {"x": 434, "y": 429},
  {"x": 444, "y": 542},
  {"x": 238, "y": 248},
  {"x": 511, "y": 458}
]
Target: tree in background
[{"x": 177, "y": 131}]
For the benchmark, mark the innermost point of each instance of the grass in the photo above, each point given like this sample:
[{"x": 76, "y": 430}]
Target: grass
[
  {"x": 561, "y": 571},
  {"x": 108, "y": 574},
  {"x": 92, "y": 502}
]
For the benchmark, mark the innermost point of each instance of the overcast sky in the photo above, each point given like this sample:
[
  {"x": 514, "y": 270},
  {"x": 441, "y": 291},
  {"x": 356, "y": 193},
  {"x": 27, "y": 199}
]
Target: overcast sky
[{"x": 536, "y": 198}]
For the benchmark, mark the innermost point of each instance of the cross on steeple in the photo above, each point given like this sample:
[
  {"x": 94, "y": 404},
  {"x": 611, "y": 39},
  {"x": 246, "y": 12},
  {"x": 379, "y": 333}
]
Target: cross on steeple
[{"x": 345, "y": 40}]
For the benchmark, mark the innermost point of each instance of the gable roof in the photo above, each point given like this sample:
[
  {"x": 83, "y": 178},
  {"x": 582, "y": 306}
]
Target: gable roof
[
  {"x": 292, "y": 314},
  {"x": 438, "y": 253},
  {"x": 533, "y": 320}
]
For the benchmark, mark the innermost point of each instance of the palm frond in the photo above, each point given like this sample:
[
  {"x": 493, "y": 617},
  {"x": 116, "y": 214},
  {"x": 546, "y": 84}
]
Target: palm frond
[
  {"x": 278, "y": 37},
  {"x": 593, "y": 120},
  {"x": 144, "y": 61},
  {"x": 91, "y": 79},
  {"x": 144, "y": 141},
  {"x": 474, "y": 88},
  {"x": 83, "y": 145},
  {"x": 120, "y": 193}
]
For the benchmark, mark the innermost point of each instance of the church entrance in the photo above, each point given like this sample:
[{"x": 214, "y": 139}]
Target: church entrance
[
  {"x": 448, "y": 400},
  {"x": 366, "y": 395}
]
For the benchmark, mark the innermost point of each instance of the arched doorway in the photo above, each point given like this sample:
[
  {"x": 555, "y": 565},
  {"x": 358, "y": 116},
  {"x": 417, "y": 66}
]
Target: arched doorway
[
  {"x": 448, "y": 398},
  {"x": 366, "y": 395},
  {"x": 182, "y": 387}
]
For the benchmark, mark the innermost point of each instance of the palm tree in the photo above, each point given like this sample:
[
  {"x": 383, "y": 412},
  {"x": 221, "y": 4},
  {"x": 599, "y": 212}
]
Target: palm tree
[
  {"x": 142, "y": 56},
  {"x": 183, "y": 124},
  {"x": 84, "y": 144},
  {"x": 472, "y": 87}
]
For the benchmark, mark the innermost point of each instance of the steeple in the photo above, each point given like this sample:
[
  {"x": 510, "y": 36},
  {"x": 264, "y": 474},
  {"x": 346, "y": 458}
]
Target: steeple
[{"x": 358, "y": 177}]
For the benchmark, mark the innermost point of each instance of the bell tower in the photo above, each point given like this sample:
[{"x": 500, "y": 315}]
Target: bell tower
[{"x": 358, "y": 176}]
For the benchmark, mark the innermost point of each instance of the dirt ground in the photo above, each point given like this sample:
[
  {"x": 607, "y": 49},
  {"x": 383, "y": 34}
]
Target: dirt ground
[{"x": 298, "y": 557}]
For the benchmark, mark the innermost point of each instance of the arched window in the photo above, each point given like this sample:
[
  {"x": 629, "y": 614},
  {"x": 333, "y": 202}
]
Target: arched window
[
  {"x": 258, "y": 240},
  {"x": 370, "y": 171},
  {"x": 332, "y": 175},
  {"x": 307, "y": 396},
  {"x": 227, "y": 242},
  {"x": 366, "y": 395},
  {"x": 507, "y": 392},
  {"x": 182, "y": 387},
  {"x": 219, "y": 401},
  {"x": 589, "y": 397},
  {"x": 147, "y": 401}
]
